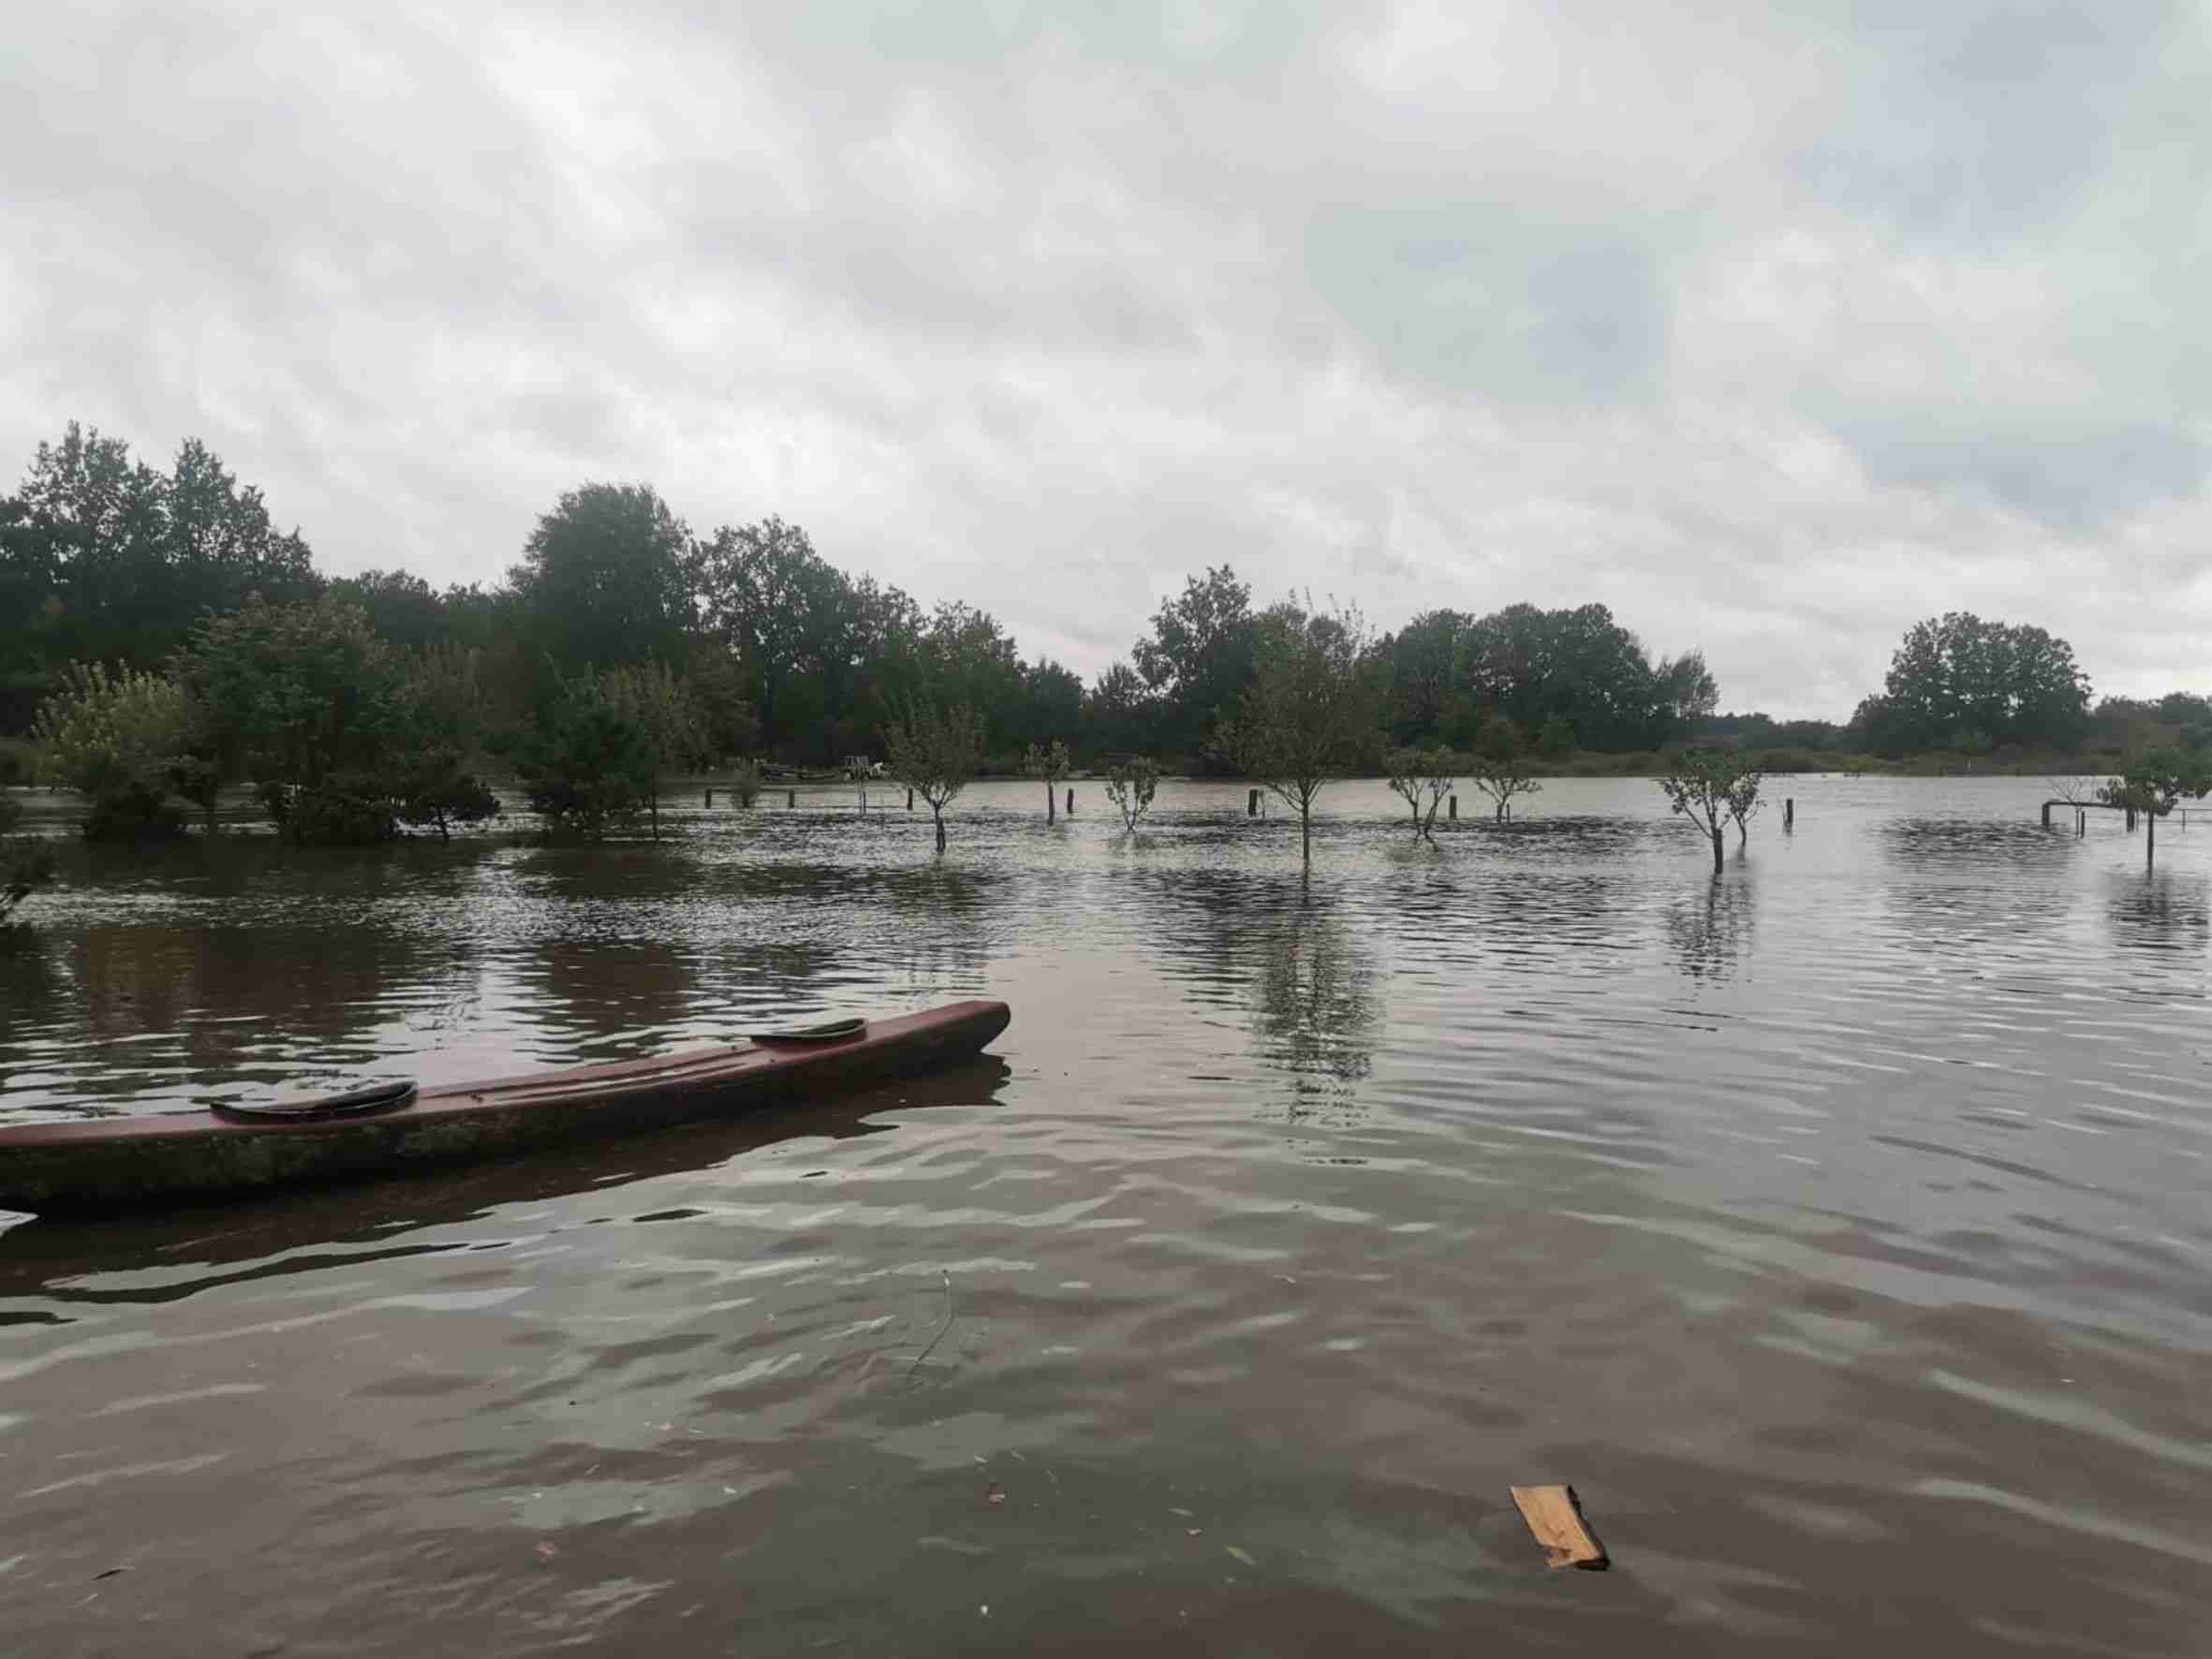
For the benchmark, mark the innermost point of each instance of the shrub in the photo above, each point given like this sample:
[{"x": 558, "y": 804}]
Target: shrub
[{"x": 120, "y": 740}]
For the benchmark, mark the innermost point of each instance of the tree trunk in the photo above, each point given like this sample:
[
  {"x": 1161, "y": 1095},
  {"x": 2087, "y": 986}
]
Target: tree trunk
[
  {"x": 1720, "y": 847},
  {"x": 2150, "y": 839},
  {"x": 940, "y": 818},
  {"x": 1051, "y": 806},
  {"x": 1305, "y": 830}
]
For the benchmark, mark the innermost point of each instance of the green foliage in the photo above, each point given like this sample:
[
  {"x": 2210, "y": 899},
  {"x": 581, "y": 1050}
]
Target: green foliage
[
  {"x": 1200, "y": 659},
  {"x": 1556, "y": 740},
  {"x": 112, "y": 561},
  {"x": 122, "y": 739},
  {"x": 606, "y": 579},
  {"x": 658, "y": 704},
  {"x": 1131, "y": 785},
  {"x": 784, "y": 616},
  {"x": 1446, "y": 672},
  {"x": 1957, "y": 681},
  {"x": 1423, "y": 777},
  {"x": 293, "y": 694},
  {"x": 437, "y": 732},
  {"x": 2155, "y": 782},
  {"x": 1712, "y": 787},
  {"x": 1501, "y": 776},
  {"x": 584, "y": 764},
  {"x": 934, "y": 751},
  {"x": 1309, "y": 711},
  {"x": 1049, "y": 762}
]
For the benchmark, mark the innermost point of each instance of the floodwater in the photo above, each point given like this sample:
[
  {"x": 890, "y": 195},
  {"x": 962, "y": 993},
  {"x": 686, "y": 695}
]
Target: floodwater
[{"x": 1837, "y": 1227}]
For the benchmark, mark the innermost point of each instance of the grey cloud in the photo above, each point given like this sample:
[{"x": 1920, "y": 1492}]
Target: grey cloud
[
  {"x": 1044, "y": 306},
  {"x": 1482, "y": 300}
]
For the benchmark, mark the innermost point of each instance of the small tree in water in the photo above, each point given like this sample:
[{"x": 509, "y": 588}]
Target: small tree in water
[
  {"x": 2154, "y": 783},
  {"x": 1424, "y": 777},
  {"x": 745, "y": 781},
  {"x": 1501, "y": 771},
  {"x": 1130, "y": 786},
  {"x": 1308, "y": 709},
  {"x": 1051, "y": 762},
  {"x": 670, "y": 737},
  {"x": 1710, "y": 787},
  {"x": 935, "y": 752}
]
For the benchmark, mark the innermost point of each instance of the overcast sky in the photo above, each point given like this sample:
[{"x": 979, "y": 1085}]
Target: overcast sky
[{"x": 1774, "y": 326}]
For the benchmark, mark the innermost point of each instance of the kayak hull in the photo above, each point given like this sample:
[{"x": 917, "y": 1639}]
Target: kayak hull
[{"x": 125, "y": 1166}]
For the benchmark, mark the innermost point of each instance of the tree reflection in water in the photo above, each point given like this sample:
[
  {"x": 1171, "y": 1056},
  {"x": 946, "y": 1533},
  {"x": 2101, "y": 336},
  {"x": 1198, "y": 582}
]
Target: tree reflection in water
[
  {"x": 1710, "y": 929},
  {"x": 2164, "y": 911},
  {"x": 1314, "y": 996}
]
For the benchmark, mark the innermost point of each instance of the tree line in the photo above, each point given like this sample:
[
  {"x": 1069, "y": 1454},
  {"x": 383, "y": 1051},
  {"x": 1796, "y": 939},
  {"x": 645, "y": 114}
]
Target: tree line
[{"x": 174, "y": 642}]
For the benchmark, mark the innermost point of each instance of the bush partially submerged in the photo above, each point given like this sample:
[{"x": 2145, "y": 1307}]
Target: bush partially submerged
[{"x": 1131, "y": 783}]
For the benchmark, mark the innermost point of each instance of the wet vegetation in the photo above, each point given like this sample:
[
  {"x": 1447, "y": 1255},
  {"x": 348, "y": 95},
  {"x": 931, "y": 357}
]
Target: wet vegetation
[{"x": 180, "y": 649}]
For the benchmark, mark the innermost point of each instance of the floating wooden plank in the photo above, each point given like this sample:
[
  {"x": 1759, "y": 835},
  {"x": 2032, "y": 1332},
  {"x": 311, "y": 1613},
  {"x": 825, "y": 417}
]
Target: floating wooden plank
[{"x": 1553, "y": 1514}]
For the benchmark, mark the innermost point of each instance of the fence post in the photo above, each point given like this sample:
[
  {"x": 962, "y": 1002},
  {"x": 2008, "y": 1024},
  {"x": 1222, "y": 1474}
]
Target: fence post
[
  {"x": 1790, "y": 811},
  {"x": 1455, "y": 807},
  {"x": 1252, "y": 803},
  {"x": 1071, "y": 800}
]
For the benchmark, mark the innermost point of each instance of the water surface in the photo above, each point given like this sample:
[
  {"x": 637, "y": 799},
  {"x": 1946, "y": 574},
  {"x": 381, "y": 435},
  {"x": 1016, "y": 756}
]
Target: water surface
[{"x": 1835, "y": 1225}]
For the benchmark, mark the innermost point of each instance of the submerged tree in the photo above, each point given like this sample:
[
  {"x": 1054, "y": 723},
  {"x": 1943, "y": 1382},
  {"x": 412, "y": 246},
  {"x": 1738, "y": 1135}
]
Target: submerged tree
[
  {"x": 26, "y": 864},
  {"x": 1131, "y": 785},
  {"x": 670, "y": 736},
  {"x": 1051, "y": 762},
  {"x": 439, "y": 729},
  {"x": 121, "y": 741},
  {"x": 1501, "y": 766},
  {"x": 1424, "y": 777},
  {"x": 584, "y": 765},
  {"x": 2154, "y": 782},
  {"x": 935, "y": 752},
  {"x": 1308, "y": 709},
  {"x": 1710, "y": 787}
]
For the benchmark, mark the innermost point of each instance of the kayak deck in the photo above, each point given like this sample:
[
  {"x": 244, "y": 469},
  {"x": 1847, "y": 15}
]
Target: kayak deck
[{"x": 125, "y": 1164}]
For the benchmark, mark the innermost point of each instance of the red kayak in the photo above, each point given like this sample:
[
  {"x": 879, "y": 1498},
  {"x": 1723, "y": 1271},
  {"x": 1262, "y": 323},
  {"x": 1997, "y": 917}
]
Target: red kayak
[{"x": 125, "y": 1164}]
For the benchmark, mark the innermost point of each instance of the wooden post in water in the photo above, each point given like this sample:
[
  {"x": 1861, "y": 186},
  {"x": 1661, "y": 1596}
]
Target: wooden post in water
[
  {"x": 1252, "y": 803},
  {"x": 2047, "y": 806},
  {"x": 2130, "y": 820},
  {"x": 790, "y": 798},
  {"x": 710, "y": 798},
  {"x": 909, "y": 800},
  {"x": 1071, "y": 800},
  {"x": 1456, "y": 808},
  {"x": 1789, "y": 812}
]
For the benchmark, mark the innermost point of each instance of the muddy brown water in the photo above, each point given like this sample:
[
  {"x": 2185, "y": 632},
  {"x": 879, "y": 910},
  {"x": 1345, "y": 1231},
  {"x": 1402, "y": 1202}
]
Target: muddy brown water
[{"x": 1838, "y": 1228}]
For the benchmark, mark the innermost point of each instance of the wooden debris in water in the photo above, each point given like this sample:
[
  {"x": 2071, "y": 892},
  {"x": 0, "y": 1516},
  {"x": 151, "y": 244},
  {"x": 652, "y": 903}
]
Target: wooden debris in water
[{"x": 1553, "y": 1514}]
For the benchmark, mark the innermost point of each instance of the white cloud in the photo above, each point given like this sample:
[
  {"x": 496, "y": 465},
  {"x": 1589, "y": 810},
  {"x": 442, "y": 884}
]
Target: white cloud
[{"x": 1774, "y": 330}]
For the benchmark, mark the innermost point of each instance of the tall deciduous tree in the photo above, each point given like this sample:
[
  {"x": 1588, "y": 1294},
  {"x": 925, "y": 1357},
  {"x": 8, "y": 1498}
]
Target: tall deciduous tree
[
  {"x": 1957, "y": 681},
  {"x": 1200, "y": 658},
  {"x": 107, "y": 559},
  {"x": 789, "y": 617},
  {"x": 604, "y": 581}
]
